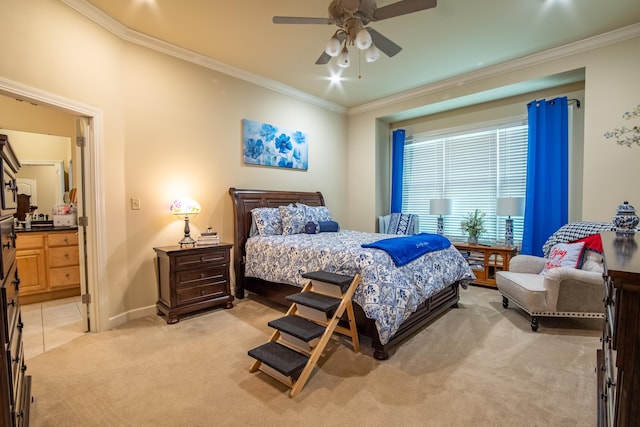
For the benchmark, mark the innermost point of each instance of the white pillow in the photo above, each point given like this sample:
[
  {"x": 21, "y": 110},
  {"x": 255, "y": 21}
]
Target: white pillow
[{"x": 564, "y": 255}]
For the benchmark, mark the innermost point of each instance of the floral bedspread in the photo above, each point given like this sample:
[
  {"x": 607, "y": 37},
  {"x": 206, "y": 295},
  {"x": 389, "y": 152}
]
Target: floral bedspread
[{"x": 387, "y": 294}]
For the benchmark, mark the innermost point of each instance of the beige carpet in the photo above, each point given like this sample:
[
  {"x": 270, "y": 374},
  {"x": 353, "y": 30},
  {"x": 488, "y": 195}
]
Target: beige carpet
[{"x": 478, "y": 365}]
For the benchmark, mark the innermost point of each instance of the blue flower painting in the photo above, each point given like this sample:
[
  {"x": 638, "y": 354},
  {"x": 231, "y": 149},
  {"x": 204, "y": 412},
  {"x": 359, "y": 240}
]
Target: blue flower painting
[{"x": 268, "y": 145}]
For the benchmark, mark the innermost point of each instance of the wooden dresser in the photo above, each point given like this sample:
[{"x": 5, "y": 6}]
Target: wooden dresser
[
  {"x": 619, "y": 359},
  {"x": 191, "y": 279},
  {"x": 15, "y": 384},
  {"x": 49, "y": 264}
]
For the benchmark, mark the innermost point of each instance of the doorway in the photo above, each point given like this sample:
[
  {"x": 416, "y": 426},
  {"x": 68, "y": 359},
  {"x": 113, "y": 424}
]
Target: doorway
[{"x": 86, "y": 143}]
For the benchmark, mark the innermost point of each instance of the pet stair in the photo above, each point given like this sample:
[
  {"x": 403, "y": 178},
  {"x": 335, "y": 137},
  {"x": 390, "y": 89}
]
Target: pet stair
[{"x": 300, "y": 337}]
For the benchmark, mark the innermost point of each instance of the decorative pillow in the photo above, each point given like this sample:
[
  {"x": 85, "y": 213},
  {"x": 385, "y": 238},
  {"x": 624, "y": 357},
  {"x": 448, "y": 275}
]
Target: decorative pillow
[
  {"x": 592, "y": 261},
  {"x": 400, "y": 223},
  {"x": 573, "y": 231},
  {"x": 315, "y": 227},
  {"x": 316, "y": 213},
  {"x": 564, "y": 255},
  {"x": 267, "y": 221},
  {"x": 293, "y": 219}
]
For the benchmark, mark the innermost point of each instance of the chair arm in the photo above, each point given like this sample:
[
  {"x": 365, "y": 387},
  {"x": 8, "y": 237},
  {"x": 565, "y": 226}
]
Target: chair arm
[
  {"x": 574, "y": 290},
  {"x": 526, "y": 264}
]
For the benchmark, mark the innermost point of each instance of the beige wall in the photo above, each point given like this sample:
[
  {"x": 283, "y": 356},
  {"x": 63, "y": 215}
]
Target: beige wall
[
  {"x": 170, "y": 128},
  {"x": 611, "y": 86}
]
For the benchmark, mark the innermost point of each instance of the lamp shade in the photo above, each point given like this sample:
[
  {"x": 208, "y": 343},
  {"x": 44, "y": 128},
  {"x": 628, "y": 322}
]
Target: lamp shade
[
  {"x": 185, "y": 206},
  {"x": 440, "y": 206},
  {"x": 510, "y": 206},
  {"x": 363, "y": 39}
]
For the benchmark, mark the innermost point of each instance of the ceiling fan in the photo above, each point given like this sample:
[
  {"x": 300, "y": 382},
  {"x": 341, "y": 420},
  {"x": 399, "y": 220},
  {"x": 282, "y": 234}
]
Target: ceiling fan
[{"x": 352, "y": 18}]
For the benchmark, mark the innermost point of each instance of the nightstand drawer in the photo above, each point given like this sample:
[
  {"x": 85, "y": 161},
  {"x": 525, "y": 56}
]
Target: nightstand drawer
[
  {"x": 202, "y": 292},
  {"x": 197, "y": 277},
  {"x": 213, "y": 257}
]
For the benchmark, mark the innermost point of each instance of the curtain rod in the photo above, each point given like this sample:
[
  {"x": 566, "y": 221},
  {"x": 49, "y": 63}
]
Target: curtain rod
[{"x": 577, "y": 101}]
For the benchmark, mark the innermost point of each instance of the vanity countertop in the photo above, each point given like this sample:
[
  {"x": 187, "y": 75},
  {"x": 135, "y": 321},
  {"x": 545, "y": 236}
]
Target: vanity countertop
[{"x": 40, "y": 229}]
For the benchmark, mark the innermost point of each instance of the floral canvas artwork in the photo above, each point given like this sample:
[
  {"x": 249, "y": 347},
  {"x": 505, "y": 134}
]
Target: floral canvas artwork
[{"x": 268, "y": 145}]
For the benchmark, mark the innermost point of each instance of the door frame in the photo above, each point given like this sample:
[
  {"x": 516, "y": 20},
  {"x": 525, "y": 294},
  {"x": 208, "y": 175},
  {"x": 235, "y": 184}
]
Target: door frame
[{"x": 95, "y": 232}]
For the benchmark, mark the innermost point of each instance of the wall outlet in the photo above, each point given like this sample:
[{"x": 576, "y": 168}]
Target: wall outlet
[{"x": 135, "y": 203}]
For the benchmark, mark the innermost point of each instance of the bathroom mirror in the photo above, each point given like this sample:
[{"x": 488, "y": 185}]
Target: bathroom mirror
[{"x": 44, "y": 172}]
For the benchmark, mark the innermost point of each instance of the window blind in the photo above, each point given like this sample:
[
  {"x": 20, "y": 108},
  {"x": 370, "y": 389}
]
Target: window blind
[{"x": 473, "y": 167}]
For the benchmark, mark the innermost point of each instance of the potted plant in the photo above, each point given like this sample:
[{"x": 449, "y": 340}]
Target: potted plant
[{"x": 474, "y": 225}]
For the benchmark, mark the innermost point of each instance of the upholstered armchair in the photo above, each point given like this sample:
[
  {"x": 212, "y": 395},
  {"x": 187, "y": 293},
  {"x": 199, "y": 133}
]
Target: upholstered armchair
[
  {"x": 398, "y": 223},
  {"x": 570, "y": 288}
]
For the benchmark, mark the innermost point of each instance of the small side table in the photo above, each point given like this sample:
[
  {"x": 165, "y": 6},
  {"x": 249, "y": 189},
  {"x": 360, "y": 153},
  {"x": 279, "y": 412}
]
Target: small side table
[
  {"x": 486, "y": 261},
  {"x": 191, "y": 279}
]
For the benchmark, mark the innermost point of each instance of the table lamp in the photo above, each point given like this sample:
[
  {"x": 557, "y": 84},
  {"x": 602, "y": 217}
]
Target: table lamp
[
  {"x": 509, "y": 206},
  {"x": 440, "y": 207},
  {"x": 187, "y": 207}
]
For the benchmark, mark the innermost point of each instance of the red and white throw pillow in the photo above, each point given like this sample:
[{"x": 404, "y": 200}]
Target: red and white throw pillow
[{"x": 564, "y": 255}]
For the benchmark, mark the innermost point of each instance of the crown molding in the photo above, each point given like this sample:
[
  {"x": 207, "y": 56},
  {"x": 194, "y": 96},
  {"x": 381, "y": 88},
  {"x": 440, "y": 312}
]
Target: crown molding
[
  {"x": 123, "y": 32},
  {"x": 581, "y": 46},
  {"x": 96, "y": 15}
]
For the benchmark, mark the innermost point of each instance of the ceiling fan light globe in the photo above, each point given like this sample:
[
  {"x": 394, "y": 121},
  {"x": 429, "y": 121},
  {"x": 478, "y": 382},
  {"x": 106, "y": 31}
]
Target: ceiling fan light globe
[
  {"x": 333, "y": 47},
  {"x": 372, "y": 54},
  {"x": 363, "y": 39},
  {"x": 343, "y": 59}
]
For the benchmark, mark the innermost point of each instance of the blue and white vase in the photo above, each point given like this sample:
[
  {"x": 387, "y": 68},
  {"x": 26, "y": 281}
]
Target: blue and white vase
[{"x": 625, "y": 219}]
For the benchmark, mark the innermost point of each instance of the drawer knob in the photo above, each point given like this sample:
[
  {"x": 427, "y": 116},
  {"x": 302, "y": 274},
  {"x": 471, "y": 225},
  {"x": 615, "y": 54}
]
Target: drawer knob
[
  {"x": 201, "y": 259},
  {"x": 202, "y": 275},
  {"x": 12, "y": 303},
  {"x": 6, "y": 245},
  {"x": 16, "y": 359},
  {"x": 66, "y": 255},
  {"x": 202, "y": 292},
  {"x": 66, "y": 240}
]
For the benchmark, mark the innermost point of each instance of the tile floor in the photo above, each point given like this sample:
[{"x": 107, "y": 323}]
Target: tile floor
[{"x": 50, "y": 324}]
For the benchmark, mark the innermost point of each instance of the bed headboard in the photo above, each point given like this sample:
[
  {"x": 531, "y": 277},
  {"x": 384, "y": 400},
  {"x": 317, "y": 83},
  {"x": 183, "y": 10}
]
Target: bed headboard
[{"x": 243, "y": 202}]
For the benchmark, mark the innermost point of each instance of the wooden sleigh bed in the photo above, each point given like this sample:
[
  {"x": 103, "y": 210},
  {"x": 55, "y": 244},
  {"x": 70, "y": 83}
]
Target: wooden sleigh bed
[{"x": 245, "y": 200}]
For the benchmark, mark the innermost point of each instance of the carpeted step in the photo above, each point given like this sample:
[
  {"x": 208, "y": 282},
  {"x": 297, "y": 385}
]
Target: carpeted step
[
  {"x": 338, "y": 280},
  {"x": 281, "y": 358},
  {"x": 298, "y": 327},
  {"x": 316, "y": 301}
]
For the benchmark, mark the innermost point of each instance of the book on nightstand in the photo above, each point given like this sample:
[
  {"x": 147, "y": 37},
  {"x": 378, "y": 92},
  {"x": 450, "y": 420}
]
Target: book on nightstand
[{"x": 208, "y": 238}]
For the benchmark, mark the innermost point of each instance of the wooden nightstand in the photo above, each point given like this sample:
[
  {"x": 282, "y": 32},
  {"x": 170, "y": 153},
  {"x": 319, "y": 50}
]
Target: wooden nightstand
[
  {"x": 192, "y": 279},
  {"x": 486, "y": 261}
]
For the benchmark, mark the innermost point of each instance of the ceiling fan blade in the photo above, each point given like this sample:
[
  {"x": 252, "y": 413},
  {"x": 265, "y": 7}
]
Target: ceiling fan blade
[
  {"x": 301, "y": 20},
  {"x": 402, "y": 8},
  {"x": 323, "y": 59},
  {"x": 388, "y": 47}
]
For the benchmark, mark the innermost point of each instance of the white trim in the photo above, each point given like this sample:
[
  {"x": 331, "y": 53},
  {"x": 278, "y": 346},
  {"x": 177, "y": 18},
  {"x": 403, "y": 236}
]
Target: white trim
[
  {"x": 96, "y": 239},
  {"x": 110, "y": 24},
  {"x": 585, "y": 45}
]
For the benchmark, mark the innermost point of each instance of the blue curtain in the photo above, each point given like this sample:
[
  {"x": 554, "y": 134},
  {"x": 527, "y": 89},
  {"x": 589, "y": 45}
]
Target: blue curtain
[
  {"x": 397, "y": 164},
  {"x": 546, "y": 199}
]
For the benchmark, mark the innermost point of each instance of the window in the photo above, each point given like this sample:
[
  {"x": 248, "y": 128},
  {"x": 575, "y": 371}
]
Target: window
[{"x": 473, "y": 167}]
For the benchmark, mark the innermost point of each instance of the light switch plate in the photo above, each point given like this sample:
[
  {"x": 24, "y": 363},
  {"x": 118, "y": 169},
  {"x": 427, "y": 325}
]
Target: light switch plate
[{"x": 135, "y": 203}]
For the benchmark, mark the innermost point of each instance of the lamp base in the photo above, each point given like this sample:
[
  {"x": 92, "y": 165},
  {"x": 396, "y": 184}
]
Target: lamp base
[
  {"x": 440, "y": 225},
  {"x": 187, "y": 239},
  {"x": 508, "y": 232}
]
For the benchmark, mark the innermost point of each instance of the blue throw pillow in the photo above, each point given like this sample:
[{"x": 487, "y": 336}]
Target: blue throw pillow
[{"x": 315, "y": 227}]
